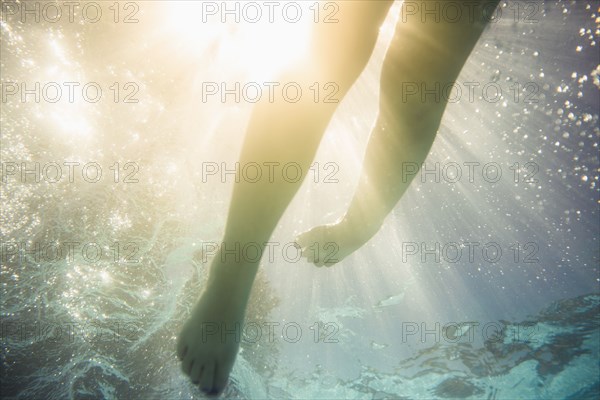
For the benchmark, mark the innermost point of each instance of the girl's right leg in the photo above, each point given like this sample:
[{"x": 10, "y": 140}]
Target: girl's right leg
[{"x": 424, "y": 56}]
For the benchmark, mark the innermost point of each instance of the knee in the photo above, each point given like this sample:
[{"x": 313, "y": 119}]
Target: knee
[
  {"x": 342, "y": 50},
  {"x": 342, "y": 61}
]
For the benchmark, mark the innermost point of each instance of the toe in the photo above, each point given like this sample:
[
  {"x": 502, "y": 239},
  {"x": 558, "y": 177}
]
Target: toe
[
  {"x": 307, "y": 253},
  {"x": 181, "y": 352},
  {"x": 310, "y": 257},
  {"x": 187, "y": 365},
  {"x": 181, "y": 348},
  {"x": 220, "y": 380},
  {"x": 302, "y": 239},
  {"x": 208, "y": 378},
  {"x": 196, "y": 372},
  {"x": 318, "y": 260}
]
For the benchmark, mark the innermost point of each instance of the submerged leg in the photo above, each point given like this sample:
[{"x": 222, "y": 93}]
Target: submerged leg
[
  {"x": 424, "y": 56},
  {"x": 278, "y": 133}
]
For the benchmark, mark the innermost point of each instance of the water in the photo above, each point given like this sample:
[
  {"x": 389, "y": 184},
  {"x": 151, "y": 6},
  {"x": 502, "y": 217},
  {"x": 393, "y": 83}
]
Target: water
[{"x": 99, "y": 273}]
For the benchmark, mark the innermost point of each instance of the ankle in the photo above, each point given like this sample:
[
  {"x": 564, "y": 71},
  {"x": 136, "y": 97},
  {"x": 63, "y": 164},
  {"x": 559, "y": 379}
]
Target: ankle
[{"x": 232, "y": 278}]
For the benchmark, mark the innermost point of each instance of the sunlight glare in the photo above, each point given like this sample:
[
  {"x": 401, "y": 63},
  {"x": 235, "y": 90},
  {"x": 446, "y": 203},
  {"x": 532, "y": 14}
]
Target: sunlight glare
[{"x": 261, "y": 49}]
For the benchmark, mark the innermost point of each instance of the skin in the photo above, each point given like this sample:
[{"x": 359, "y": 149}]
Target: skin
[{"x": 422, "y": 52}]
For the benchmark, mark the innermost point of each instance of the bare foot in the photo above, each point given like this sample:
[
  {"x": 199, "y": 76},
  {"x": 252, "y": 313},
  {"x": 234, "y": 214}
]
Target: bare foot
[
  {"x": 209, "y": 341},
  {"x": 327, "y": 245}
]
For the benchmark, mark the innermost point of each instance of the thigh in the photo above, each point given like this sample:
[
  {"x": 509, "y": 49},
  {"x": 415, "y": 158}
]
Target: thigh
[
  {"x": 429, "y": 50},
  {"x": 343, "y": 46}
]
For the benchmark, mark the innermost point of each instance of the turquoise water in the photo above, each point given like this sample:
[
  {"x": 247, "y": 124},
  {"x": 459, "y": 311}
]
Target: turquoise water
[{"x": 99, "y": 272}]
